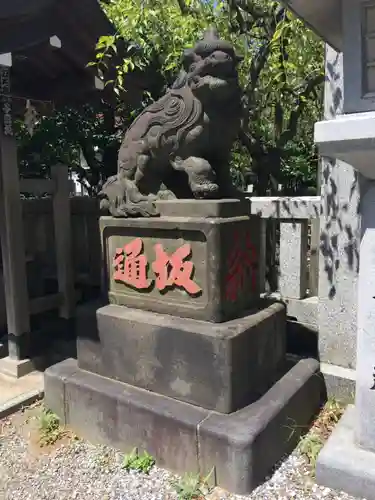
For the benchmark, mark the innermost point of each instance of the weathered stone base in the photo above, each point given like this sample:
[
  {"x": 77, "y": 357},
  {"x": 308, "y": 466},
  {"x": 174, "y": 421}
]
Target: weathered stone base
[
  {"x": 222, "y": 367},
  {"x": 343, "y": 465},
  {"x": 242, "y": 447}
]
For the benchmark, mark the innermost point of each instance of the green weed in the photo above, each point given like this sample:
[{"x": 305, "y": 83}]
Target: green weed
[
  {"x": 192, "y": 487},
  {"x": 140, "y": 463},
  {"x": 49, "y": 428}
]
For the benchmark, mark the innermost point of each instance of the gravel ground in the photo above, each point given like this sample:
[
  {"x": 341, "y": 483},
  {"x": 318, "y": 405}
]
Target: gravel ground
[{"x": 74, "y": 469}]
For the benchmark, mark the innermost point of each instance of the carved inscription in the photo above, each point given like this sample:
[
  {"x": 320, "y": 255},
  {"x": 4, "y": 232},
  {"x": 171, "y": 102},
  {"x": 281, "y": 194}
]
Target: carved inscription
[
  {"x": 241, "y": 266},
  {"x": 131, "y": 267},
  {"x": 6, "y": 102}
]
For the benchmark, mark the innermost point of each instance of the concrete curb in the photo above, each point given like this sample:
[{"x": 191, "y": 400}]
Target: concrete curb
[{"x": 16, "y": 404}]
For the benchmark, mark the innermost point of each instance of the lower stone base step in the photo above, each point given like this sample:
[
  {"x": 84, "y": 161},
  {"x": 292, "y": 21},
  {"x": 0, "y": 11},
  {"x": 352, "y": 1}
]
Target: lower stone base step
[{"x": 242, "y": 447}]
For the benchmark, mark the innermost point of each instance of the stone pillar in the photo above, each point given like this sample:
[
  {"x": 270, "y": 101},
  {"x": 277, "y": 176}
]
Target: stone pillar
[
  {"x": 12, "y": 234},
  {"x": 338, "y": 262},
  {"x": 63, "y": 240},
  {"x": 293, "y": 262}
]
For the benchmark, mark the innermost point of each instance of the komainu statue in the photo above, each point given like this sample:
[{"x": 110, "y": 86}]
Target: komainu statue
[{"x": 179, "y": 146}]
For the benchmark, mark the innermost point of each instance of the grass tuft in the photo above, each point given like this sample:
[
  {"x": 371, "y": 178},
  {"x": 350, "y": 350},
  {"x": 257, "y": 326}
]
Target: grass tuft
[{"x": 192, "y": 487}]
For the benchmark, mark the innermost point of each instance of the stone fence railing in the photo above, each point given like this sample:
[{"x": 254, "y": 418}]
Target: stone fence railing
[{"x": 298, "y": 251}]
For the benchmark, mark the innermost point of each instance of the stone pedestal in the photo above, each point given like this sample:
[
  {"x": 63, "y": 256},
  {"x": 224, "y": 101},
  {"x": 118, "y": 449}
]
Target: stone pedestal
[
  {"x": 219, "y": 247},
  {"x": 185, "y": 361}
]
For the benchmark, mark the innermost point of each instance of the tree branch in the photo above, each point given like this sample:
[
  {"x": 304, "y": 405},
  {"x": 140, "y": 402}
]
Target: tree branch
[
  {"x": 240, "y": 20},
  {"x": 250, "y": 8},
  {"x": 295, "y": 115},
  {"x": 255, "y": 146},
  {"x": 186, "y": 10},
  {"x": 283, "y": 55},
  {"x": 257, "y": 64},
  {"x": 259, "y": 61}
]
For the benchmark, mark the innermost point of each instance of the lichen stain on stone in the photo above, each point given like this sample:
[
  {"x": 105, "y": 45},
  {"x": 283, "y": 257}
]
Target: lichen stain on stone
[{"x": 181, "y": 387}]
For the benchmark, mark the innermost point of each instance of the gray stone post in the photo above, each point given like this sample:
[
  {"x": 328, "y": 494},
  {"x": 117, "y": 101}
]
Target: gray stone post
[
  {"x": 293, "y": 260},
  {"x": 339, "y": 243}
]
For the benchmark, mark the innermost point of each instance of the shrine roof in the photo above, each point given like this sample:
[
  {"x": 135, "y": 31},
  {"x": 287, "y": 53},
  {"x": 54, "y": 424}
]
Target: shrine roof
[
  {"x": 51, "y": 42},
  {"x": 322, "y": 16}
]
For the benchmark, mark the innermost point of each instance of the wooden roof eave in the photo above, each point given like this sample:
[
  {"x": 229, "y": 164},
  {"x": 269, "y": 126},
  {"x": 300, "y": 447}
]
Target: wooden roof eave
[
  {"x": 41, "y": 71},
  {"x": 22, "y": 8}
]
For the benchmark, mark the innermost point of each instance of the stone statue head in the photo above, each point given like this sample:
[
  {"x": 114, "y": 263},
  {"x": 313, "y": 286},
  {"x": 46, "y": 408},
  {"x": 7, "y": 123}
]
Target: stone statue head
[{"x": 211, "y": 67}]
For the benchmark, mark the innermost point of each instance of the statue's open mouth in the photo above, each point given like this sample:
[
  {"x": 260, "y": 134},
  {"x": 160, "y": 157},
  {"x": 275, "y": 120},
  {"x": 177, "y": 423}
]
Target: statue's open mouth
[{"x": 220, "y": 69}]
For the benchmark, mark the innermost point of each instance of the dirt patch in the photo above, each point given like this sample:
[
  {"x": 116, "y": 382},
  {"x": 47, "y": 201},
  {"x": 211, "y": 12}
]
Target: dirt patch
[{"x": 27, "y": 423}]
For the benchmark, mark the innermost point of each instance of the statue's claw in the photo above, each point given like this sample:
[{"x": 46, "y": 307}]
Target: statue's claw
[{"x": 206, "y": 191}]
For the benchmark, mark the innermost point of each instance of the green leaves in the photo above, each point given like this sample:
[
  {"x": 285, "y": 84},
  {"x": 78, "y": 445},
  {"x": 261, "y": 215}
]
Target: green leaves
[
  {"x": 160, "y": 29},
  {"x": 139, "y": 463}
]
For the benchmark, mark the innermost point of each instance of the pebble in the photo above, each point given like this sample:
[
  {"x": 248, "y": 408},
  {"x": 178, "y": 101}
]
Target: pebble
[{"x": 81, "y": 471}]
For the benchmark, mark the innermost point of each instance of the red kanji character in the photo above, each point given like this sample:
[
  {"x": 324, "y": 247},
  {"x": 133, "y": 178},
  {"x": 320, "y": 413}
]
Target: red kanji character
[
  {"x": 239, "y": 262},
  {"x": 172, "y": 270},
  {"x": 130, "y": 266}
]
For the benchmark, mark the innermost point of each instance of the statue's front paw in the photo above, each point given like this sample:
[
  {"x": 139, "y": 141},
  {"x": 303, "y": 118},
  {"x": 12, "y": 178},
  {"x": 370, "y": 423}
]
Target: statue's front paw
[
  {"x": 206, "y": 190},
  {"x": 119, "y": 210}
]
